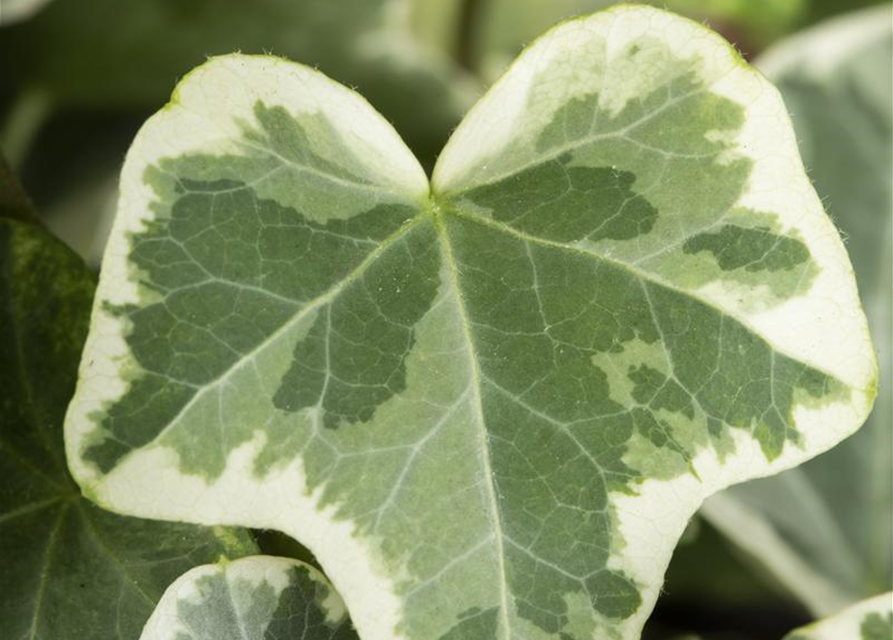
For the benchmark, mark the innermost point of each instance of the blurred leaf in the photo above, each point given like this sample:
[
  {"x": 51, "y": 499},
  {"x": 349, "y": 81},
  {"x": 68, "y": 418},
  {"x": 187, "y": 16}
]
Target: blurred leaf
[
  {"x": 868, "y": 620},
  {"x": 501, "y": 28},
  {"x": 70, "y": 569},
  {"x": 104, "y": 53},
  {"x": 763, "y": 19},
  {"x": 817, "y": 10},
  {"x": 712, "y": 588},
  {"x": 732, "y": 581},
  {"x": 17, "y": 10},
  {"x": 83, "y": 218},
  {"x": 824, "y": 528}
]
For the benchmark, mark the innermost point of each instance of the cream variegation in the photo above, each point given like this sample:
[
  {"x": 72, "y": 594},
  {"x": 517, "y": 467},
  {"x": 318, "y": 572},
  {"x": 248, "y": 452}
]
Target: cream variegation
[{"x": 488, "y": 407}]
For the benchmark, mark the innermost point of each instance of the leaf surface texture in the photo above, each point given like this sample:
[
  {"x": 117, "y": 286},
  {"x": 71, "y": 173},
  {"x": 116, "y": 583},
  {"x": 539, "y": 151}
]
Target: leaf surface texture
[{"x": 488, "y": 405}]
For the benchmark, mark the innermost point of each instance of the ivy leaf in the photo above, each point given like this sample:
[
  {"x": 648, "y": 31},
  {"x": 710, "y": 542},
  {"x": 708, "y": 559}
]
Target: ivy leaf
[
  {"x": 255, "y": 598},
  {"x": 867, "y": 620},
  {"x": 488, "y": 405},
  {"x": 824, "y": 528},
  {"x": 70, "y": 569}
]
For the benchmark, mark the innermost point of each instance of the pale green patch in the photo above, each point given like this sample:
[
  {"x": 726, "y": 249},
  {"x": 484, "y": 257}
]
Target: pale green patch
[
  {"x": 824, "y": 528},
  {"x": 485, "y": 409},
  {"x": 870, "y": 619},
  {"x": 255, "y": 598}
]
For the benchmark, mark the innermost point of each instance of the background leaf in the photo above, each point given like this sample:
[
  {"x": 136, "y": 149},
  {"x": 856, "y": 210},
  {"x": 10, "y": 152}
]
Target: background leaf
[
  {"x": 867, "y": 620},
  {"x": 256, "y": 598},
  {"x": 486, "y": 35}
]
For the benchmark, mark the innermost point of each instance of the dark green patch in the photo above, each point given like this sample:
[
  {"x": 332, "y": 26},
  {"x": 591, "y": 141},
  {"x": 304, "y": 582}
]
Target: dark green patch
[
  {"x": 613, "y": 594},
  {"x": 300, "y": 612},
  {"x": 565, "y": 203},
  {"x": 354, "y": 357},
  {"x": 757, "y": 249},
  {"x": 875, "y": 626}
]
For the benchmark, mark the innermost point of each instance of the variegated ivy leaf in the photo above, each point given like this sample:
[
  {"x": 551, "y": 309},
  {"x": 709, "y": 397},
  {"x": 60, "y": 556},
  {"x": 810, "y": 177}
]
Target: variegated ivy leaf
[
  {"x": 490, "y": 405},
  {"x": 868, "y": 620},
  {"x": 255, "y": 598}
]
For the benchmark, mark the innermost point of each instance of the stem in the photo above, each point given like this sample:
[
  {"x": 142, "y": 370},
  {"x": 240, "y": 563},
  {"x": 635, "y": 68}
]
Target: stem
[{"x": 467, "y": 34}]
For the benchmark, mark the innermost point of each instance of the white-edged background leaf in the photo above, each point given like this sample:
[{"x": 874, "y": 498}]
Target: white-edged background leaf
[
  {"x": 870, "y": 619},
  {"x": 255, "y": 598}
]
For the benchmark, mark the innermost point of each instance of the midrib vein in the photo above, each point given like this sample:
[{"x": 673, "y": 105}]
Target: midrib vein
[
  {"x": 45, "y": 569},
  {"x": 296, "y": 318},
  {"x": 116, "y": 561},
  {"x": 475, "y": 374}
]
